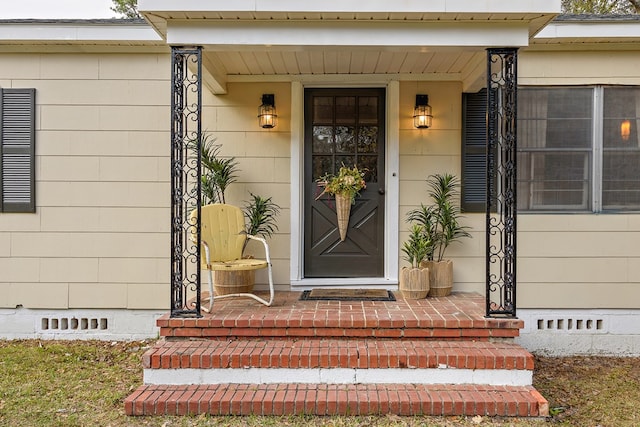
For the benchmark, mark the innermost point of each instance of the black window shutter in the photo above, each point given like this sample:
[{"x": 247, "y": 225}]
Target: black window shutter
[
  {"x": 17, "y": 150},
  {"x": 474, "y": 151}
]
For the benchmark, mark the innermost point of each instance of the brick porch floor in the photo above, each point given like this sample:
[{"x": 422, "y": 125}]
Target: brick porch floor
[{"x": 458, "y": 316}]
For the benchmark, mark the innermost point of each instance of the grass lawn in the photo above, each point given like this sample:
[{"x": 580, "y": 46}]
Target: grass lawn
[{"x": 75, "y": 383}]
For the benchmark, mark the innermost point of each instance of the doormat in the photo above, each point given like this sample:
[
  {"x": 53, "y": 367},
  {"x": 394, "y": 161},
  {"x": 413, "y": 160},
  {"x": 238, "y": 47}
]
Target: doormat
[{"x": 347, "y": 295}]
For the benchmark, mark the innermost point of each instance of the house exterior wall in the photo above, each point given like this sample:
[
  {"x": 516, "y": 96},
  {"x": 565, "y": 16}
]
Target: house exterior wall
[
  {"x": 424, "y": 152},
  {"x": 100, "y": 234},
  {"x": 582, "y": 260},
  {"x": 263, "y": 158}
]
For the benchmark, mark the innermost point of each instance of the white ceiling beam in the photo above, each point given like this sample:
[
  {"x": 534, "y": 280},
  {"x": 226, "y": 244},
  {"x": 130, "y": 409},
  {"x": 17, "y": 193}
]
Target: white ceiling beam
[
  {"x": 214, "y": 75},
  {"x": 355, "y": 6},
  {"x": 299, "y": 35}
]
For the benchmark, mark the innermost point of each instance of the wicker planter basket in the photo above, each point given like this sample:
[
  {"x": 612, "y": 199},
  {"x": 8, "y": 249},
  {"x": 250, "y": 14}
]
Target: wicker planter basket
[
  {"x": 414, "y": 282},
  {"x": 343, "y": 210},
  {"x": 233, "y": 282},
  {"x": 441, "y": 277}
]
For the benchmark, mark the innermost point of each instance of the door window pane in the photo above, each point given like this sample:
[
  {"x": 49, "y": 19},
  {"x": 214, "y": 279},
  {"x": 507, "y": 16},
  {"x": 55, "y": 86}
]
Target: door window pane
[
  {"x": 368, "y": 110},
  {"x": 368, "y": 139},
  {"x": 345, "y": 109},
  {"x": 370, "y": 166},
  {"x": 323, "y": 110},
  {"x": 322, "y": 165},
  {"x": 322, "y": 139},
  {"x": 345, "y": 139}
]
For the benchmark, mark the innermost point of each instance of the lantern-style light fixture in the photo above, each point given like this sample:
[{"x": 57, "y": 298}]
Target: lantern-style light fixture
[
  {"x": 422, "y": 112},
  {"x": 267, "y": 116}
]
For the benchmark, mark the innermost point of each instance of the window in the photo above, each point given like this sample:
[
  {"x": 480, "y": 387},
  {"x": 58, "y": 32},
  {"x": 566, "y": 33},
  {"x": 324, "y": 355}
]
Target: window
[
  {"x": 621, "y": 148},
  {"x": 17, "y": 150},
  {"x": 555, "y": 144},
  {"x": 578, "y": 149}
]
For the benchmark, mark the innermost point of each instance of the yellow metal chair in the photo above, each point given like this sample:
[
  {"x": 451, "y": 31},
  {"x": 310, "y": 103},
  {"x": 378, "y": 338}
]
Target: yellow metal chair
[{"x": 223, "y": 238}]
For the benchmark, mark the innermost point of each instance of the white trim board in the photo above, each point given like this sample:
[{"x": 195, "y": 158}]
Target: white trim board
[{"x": 442, "y": 375}]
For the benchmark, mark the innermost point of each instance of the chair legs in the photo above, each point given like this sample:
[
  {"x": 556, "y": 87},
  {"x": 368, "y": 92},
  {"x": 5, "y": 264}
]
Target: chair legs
[
  {"x": 253, "y": 296},
  {"x": 213, "y": 297}
]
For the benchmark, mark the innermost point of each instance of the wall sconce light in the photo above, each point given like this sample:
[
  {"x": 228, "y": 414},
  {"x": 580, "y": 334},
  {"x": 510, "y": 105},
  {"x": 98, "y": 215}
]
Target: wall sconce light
[
  {"x": 267, "y": 116},
  {"x": 625, "y": 130},
  {"x": 422, "y": 112}
]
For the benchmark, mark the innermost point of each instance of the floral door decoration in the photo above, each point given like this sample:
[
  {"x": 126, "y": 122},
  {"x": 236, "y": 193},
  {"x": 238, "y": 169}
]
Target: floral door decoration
[{"x": 345, "y": 187}]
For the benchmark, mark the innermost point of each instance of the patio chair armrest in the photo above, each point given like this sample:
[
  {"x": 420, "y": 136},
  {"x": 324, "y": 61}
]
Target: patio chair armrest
[
  {"x": 264, "y": 243},
  {"x": 207, "y": 254}
]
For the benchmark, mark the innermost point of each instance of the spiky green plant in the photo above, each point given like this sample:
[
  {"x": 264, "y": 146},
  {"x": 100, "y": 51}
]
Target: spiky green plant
[
  {"x": 440, "y": 221},
  {"x": 261, "y": 213},
  {"x": 417, "y": 246},
  {"x": 217, "y": 172}
]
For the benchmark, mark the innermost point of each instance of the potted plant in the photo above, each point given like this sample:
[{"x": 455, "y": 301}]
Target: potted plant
[
  {"x": 440, "y": 223},
  {"x": 345, "y": 187},
  {"x": 217, "y": 174},
  {"x": 414, "y": 280}
]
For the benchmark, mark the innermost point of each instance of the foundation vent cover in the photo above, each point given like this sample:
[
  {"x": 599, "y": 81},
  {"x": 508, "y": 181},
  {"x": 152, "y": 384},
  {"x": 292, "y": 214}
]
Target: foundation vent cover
[{"x": 70, "y": 324}]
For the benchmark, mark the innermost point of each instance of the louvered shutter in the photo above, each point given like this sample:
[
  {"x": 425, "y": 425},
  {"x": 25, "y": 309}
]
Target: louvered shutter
[
  {"x": 474, "y": 152},
  {"x": 17, "y": 150}
]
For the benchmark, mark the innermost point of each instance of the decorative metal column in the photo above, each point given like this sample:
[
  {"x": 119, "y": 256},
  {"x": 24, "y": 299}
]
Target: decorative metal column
[
  {"x": 186, "y": 133},
  {"x": 501, "y": 217}
]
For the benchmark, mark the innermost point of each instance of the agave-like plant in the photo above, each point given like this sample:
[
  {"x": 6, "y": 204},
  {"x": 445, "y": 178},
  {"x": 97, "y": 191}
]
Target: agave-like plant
[
  {"x": 440, "y": 220},
  {"x": 261, "y": 215}
]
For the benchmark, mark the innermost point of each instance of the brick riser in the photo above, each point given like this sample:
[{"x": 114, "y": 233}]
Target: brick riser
[
  {"x": 328, "y": 399},
  {"x": 336, "y": 353},
  {"x": 451, "y": 330}
]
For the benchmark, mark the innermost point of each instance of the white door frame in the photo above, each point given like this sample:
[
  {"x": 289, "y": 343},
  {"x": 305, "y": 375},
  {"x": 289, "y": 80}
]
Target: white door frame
[{"x": 391, "y": 199}]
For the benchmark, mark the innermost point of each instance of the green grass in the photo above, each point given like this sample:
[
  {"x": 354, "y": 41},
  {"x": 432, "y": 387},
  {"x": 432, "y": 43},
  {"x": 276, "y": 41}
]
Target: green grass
[{"x": 76, "y": 383}]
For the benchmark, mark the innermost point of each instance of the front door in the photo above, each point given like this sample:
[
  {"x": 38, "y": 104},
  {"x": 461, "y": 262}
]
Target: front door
[{"x": 344, "y": 127}]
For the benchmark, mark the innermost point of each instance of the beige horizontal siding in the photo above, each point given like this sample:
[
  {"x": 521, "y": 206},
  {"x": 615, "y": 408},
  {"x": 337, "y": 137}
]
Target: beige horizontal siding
[
  {"x": 100, "y": 237},
  {"x": 36, "y": 294},
  {"x": 101, "y": 226},
  {"x": 579, "y": 67}
]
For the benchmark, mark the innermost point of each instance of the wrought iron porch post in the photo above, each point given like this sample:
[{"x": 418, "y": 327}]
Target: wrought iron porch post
[
  {"x": 186, "y": 133},
  {"x": 501, "y": 215}
]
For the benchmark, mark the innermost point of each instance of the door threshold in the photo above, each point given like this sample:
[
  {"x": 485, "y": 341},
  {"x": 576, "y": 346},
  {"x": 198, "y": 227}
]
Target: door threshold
[{"x": 347, "y": 282}]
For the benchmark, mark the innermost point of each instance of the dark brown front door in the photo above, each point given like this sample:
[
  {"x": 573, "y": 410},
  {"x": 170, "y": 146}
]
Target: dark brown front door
[{"x": 344, "y": 126}]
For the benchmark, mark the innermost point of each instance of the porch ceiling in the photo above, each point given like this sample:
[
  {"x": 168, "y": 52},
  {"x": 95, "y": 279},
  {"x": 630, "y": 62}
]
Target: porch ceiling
[{"x": 283, "y": 39}]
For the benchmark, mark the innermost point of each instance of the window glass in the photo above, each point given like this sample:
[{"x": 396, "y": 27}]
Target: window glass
[
  {"x": 621, "y": 148},
  {"x": 555, "y": 140}
]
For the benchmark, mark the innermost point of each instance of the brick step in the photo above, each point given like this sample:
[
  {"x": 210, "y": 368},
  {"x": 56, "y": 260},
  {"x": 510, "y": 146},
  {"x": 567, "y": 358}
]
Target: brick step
[
  {"x": 335, "y": 353},
  {"x": 456, "y": 330},
  {"x": 459, "y": 316},
  {"x": 328, "y": 399}
]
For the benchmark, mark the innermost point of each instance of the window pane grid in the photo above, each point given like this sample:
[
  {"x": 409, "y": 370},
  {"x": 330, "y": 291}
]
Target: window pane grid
[
  {"x": 563, "y": 164},
  {"x": 554, "y": 155}
]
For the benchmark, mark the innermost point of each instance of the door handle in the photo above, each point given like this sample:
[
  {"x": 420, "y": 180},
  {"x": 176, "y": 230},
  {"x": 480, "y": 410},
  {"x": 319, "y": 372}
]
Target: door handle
[{"x": 381, "y": 191}]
